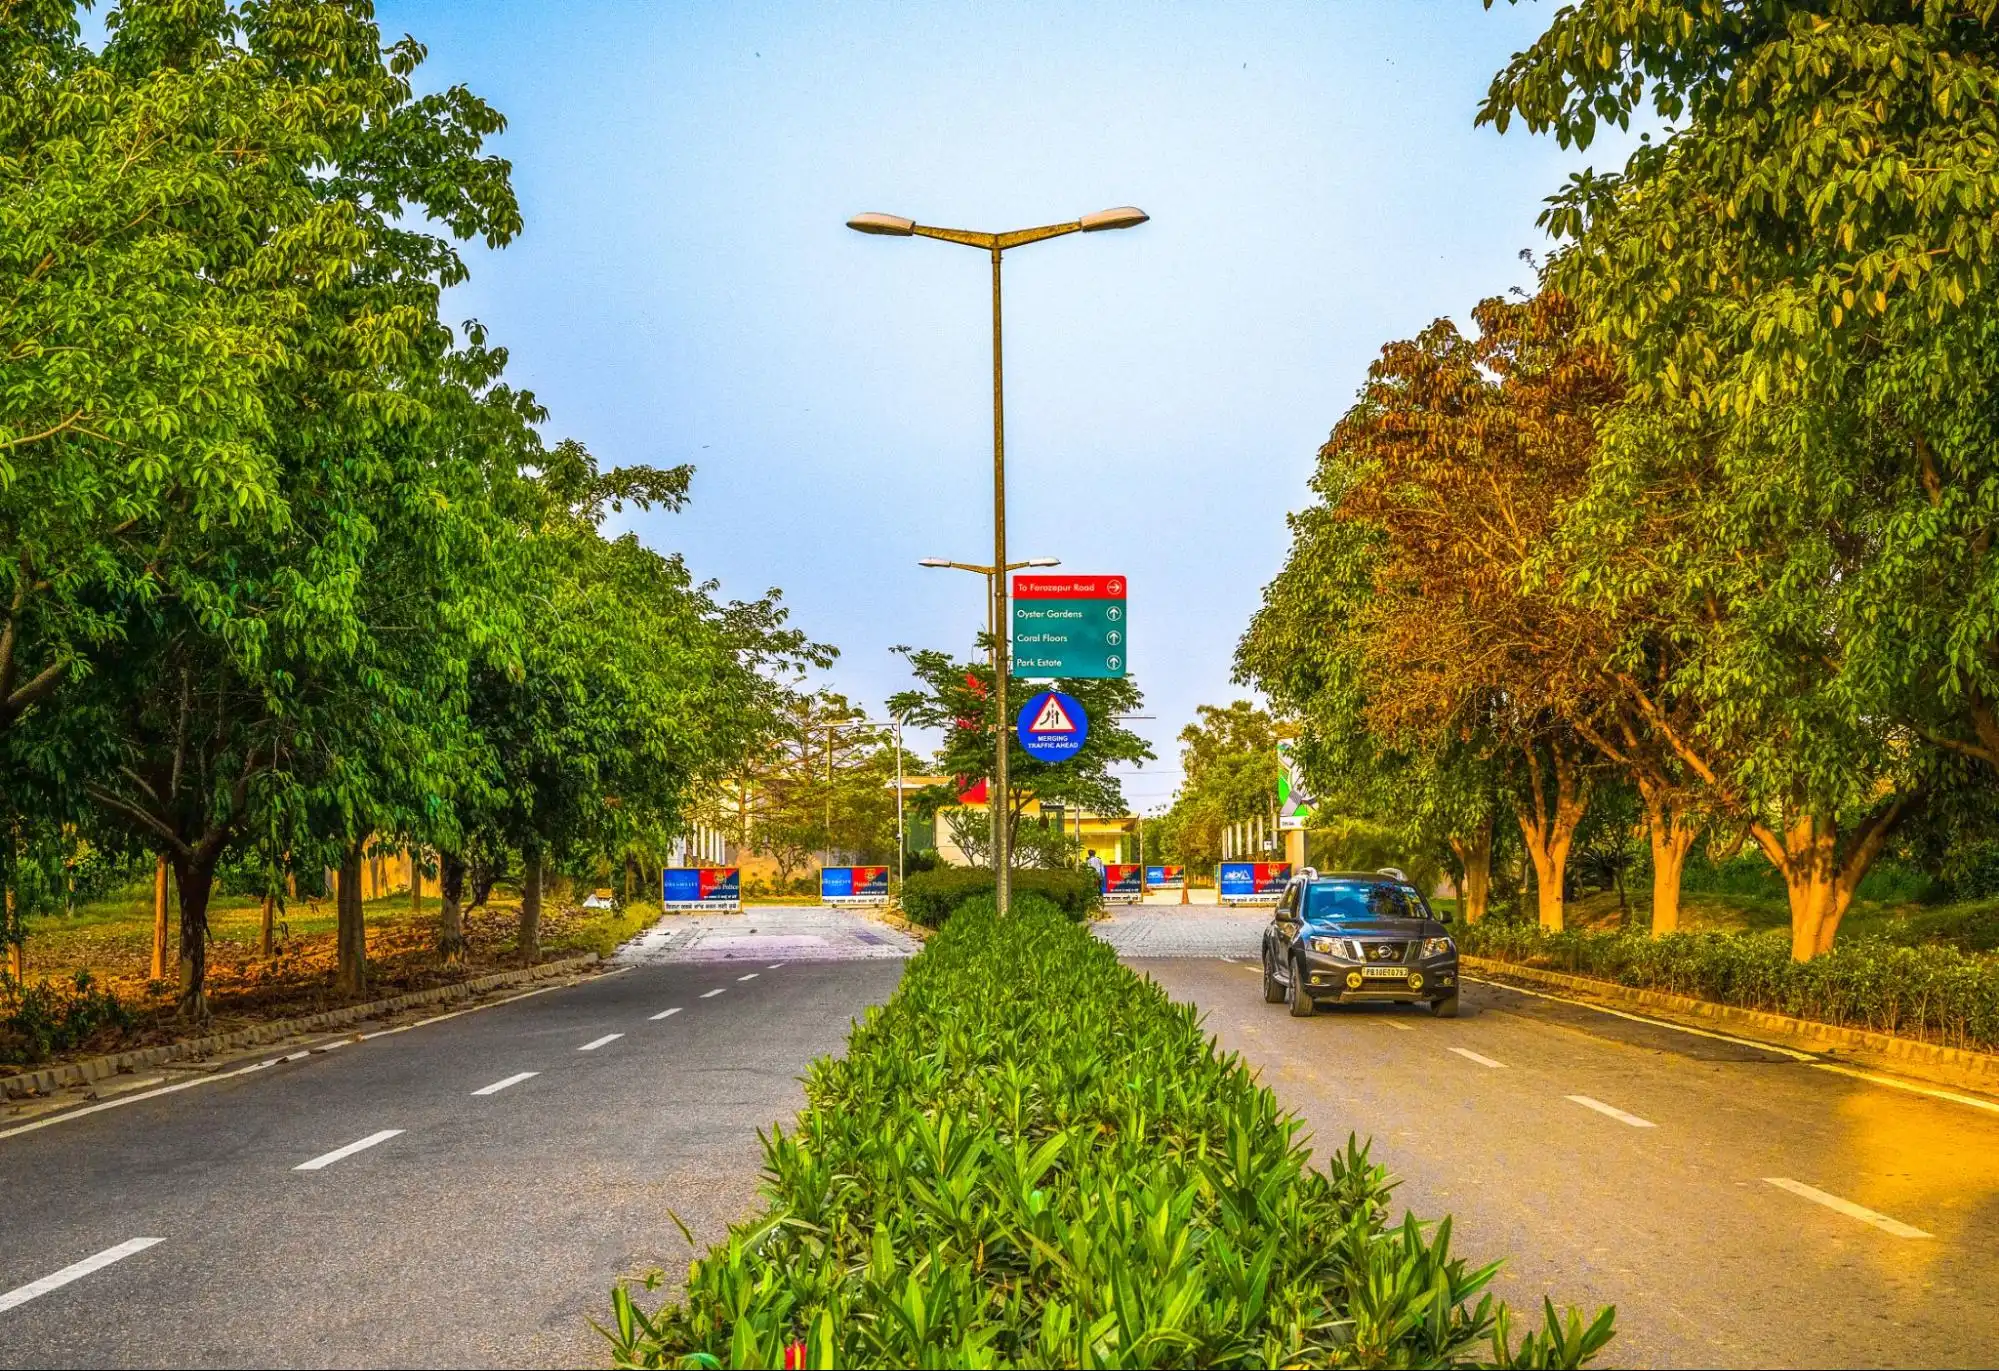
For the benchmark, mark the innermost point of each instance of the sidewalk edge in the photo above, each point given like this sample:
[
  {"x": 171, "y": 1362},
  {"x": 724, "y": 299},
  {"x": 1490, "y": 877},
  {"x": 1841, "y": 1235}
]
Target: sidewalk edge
[{"x": 49, "y": 1078}]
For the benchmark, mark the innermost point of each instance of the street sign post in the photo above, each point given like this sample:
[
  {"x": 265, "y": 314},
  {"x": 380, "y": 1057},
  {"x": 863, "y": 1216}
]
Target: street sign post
[
  {"x": 1070, "y": 626},
  {"x": 1052, "y": 726}
]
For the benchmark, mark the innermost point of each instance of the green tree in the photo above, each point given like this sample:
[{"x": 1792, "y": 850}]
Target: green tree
[{"x": 957, "y": 697}]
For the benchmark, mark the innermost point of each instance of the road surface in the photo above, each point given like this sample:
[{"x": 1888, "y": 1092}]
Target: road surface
[
  {"x": 1740, "y": 1206},
  {"x": 466, "y": 1192}
]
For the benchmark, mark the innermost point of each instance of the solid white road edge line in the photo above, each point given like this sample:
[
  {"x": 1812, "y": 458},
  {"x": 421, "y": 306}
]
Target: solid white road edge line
[
  {"x": 1846, "y": 1207},
  {"x": 1472, "y": 1056},
  {"x": 268, "y": 1062},
  {"x": 1790, "y": 1052},
  {"x": 1988, "y": 1105},
  {"x": 596, "y": 1043},
  {"x": 711, "y": 994},
  {"x": 321, "y": 1162},
  {"x": 75, "y": 1271},
  {"x": 664, "y": 1014},
  {"x": 497, "y": 1086},
  {"x": 752, "y": 976},
  {"x": 1611, "y": 1111}
]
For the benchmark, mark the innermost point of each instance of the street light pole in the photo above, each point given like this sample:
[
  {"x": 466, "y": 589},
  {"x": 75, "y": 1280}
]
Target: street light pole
[{"x": 996, "y": 243}]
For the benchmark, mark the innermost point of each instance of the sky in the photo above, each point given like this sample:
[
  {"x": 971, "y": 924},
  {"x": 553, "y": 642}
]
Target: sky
[{"x": 686, "y": 289}]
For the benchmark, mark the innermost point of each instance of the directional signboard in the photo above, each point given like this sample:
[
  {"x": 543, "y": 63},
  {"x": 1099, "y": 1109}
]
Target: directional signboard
[
  {"x": 1069, "y": 626},
  {"x": 1052, "y": 726}
]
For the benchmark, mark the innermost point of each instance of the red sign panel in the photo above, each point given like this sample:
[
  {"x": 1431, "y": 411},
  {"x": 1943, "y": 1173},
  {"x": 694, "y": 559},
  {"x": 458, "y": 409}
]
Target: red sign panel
[{"x": 1068, "y": 587}]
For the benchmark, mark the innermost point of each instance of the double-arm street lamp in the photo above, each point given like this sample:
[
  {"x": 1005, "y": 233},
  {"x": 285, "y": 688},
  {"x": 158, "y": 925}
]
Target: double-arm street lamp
[{"x": 996, "y": 244}]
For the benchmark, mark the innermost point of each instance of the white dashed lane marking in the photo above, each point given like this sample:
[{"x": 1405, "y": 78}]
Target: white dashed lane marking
[
  {"x": 76, "y": 1271},
  {"x": 665, "y": 1014},
  {"x": 596, "y": 1043},
  {"x": 1402, "y": 1026},
  {"x": 1472, "y": 1056},
  {"x": 1846, "y": 1207},
  {"x": 752, "y": 976},
  {"x": 497, "y": 1086},
  {"x": 775, "y": 966},
  {"x": 1611, "y": 1111},
  {"x": 326, "y": 1159},
  {"x": 711, "y": 994}
]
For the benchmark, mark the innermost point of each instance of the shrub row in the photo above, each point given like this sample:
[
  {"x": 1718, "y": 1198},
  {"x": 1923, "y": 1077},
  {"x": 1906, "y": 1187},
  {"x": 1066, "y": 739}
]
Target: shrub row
[
  {"x": 44, "y": 1018},
  {"x": 1934, "y": 993},
  {"x": 1032, "y": 1157},
  {"x": 928, "y": 897}
]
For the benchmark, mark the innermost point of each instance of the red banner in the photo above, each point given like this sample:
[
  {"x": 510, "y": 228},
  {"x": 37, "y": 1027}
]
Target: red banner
[{"x": 1068, "y": 587}]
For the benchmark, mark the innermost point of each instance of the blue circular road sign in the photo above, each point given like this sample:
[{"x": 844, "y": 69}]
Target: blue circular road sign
[{"x": 1053, "y": 726}]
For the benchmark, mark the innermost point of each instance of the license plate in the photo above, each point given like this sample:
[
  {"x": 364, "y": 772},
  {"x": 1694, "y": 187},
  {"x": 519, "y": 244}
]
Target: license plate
[{"x": 1385, "y": 973}]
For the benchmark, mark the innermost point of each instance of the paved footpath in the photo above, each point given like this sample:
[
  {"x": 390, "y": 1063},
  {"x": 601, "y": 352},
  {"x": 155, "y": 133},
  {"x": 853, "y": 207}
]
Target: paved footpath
[
  {"x": 464, "y": 1193},
  {"x": 1741, "y": 1205}
]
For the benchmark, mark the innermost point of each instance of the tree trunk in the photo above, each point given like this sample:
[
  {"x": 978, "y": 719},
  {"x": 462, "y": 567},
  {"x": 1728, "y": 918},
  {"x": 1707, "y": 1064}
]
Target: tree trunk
[
  {"x": 1474, "y": 854},
  {"x": 450, "y": 914},
  {"x": 1549, "y": 831},
  {"x": 351, "y": 978},
  {"x": 17, "y": 946},
  {"x": 1817, "y": 881},
  {"x": 270, "y": 922},
  {"x": 194, "y": 880},
  {"x": 1672, "y": 835},
  {"x": 416, "y": 881},
  {"x": 528, "y": 944},
  {"x": 160, "y": 920}
]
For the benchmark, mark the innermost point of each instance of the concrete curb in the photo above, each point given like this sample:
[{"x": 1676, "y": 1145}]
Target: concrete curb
[
  {"x": 1910, "y": 1056},
  {"x": 50, "y": 1078}
]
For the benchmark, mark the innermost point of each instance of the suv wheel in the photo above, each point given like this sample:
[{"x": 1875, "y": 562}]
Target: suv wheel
[
  {"x": 1273, "y": 989},
  {"x": 1446, "y": 1008},
  {"x": 1295, "y": 994}
]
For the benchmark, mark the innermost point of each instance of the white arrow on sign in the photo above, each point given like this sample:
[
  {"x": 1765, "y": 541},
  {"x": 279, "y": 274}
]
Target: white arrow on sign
[{"x": 1053, "y": 718}]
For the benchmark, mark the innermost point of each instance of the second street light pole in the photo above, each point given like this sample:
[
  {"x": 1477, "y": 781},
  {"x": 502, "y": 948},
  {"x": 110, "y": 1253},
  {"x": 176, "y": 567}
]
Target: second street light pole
[{"x": 895, "y": 226}]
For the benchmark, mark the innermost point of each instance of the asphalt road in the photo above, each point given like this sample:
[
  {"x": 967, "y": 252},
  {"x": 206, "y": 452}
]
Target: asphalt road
[
  {"x": 485, "y": 1230},
  {"x": 1613, "y": 1161}
]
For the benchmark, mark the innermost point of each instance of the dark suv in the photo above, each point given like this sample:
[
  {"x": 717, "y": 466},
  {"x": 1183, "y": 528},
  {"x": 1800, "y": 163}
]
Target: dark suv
[{"x": 1354, "y": 936}]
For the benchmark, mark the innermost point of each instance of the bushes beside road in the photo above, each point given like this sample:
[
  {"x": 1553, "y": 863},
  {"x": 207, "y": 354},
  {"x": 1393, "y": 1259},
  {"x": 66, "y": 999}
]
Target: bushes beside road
[
  {"x": 1930, "y": 992},
  {"x": 1031, "y": 1157},
  {"x": 928, "y": 897}
]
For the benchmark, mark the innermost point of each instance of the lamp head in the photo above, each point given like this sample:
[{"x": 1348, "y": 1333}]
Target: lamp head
[
  {"x": 892, "y": 225},
  {"x": 1124, "y": 216},
  {"x": 1042, "y": 561},
  {"x": 933, "y": 561}
]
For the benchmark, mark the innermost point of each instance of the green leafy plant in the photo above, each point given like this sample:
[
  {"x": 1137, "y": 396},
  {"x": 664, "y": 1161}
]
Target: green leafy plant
[
  {"x": 1931, "y": 992},
  {"x": 46, "y": 1017},
  {"x": 1032, "y": 1157},
  {"x": 928, "y": 897}
]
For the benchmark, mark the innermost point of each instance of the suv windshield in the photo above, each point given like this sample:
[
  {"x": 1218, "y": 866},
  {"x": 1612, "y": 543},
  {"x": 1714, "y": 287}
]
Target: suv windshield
[{"x": 1344, "y": 901}]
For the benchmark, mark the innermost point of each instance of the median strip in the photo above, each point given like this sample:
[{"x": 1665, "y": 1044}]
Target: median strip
[
  {"x": 1611, "y": 1111},
  {"x": 497, "y": 1086},
  {"x": 596, "y": 1043},
  {"x": 1472, "y": 1056},
  {"x": 1846, "y": 1207},
  {"x": 320, "y": 1163},
  {"x": 75, "y": 1271}
]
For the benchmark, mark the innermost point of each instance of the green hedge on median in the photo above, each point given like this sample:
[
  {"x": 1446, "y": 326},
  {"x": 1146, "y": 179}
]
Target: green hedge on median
[
  {"x": 928, "y": 897},
  {"x": 1935, "y": 993},
  {"x": 1032, "y": 1157}
]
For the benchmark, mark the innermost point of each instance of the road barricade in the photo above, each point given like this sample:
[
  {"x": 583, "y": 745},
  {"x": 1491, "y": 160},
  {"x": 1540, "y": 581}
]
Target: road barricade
[
  {"x": 701, "y": 889},
  {"x": 853, "y": 885},
  {"x": 1253, "y": 882}
]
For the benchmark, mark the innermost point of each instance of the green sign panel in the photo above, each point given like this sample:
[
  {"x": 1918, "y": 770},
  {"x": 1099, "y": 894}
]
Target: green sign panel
[{"x": 1069, "y": 626}]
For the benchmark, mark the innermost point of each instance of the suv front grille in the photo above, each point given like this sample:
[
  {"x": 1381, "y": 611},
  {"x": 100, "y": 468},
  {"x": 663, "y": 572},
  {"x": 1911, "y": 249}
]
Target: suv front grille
[{"x": 1385, "y": 952}]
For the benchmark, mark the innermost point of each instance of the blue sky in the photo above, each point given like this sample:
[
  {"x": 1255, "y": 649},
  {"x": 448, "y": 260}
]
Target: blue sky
[{"x": 686, "y": 290}]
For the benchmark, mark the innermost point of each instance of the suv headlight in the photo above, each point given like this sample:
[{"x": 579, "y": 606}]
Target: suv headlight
[
  {"x": 1332, "y": 947},
  {"x": 1438, "y": 947}
]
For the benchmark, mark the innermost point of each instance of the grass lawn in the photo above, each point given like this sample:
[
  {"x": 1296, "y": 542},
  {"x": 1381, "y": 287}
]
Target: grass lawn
[{"x": 112, "y": 940}]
